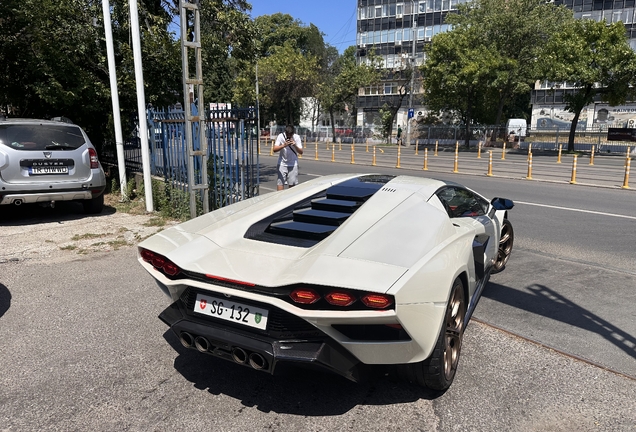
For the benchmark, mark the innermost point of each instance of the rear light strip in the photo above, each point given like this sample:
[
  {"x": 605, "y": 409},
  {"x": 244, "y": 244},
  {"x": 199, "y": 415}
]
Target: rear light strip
[{"x": 341, "y": 298}]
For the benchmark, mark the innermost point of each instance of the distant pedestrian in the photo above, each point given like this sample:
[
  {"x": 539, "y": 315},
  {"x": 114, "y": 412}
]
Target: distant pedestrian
[
  {"x": 399, "y": 135},
  {"x": 289, "y": 146}
]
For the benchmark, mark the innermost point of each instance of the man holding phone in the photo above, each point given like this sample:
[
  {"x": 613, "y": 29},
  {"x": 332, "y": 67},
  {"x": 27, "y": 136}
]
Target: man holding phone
[{"x": 288, "y": 146}]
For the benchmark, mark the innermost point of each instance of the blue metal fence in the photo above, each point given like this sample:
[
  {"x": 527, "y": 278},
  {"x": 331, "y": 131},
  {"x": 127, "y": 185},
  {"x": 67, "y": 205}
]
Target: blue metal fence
[{"x": 233, "y": 165}]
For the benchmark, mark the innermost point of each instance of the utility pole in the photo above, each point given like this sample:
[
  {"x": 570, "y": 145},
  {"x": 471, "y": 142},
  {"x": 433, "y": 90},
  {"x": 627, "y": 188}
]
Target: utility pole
[{"x": 414, "y": 43}]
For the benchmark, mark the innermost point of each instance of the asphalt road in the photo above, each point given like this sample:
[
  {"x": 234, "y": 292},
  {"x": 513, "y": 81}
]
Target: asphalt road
[{"x": 82, "y": 349}]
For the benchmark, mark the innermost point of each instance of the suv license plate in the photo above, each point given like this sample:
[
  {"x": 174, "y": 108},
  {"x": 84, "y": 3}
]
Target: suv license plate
[
  {"x": 48, "y": 170},
  {"x": 231, "y": 311}
]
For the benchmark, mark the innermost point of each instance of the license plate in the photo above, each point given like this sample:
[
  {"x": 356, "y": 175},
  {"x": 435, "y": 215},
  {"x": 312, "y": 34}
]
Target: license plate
[
  {"x": 231, "y": 311},
  {"x": 48, "y": 170}
]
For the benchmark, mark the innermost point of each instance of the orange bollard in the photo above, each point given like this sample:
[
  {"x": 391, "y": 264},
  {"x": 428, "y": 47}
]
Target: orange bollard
[
  {"x": 529, "y": 176},
  {"x": 333, "y": 153},
  {"x": 352, "y": 159},
  {"x": 573, "y": 179},
  {"x": 503, "y": 151},
  {"x": 316, "y": 158},
  {"x": 435, "y": 148},
  {"x": 592, "y": 156},
  {"x": 628, "y": 163},
  {"x": 559, "y": 156},
  {"x": 339, "y": 144},
  {"x": 529, "y": 151},
  {"x": 425, "y": 168},
  {"x": 416, "y": 148},
  {"x": 479, "y": 150},
  {"x": 456, "y": 157},
  {"x": 398, "y": 158},
  {"x": 373, "y": 162},
  {"x": 489, "y": 163}
]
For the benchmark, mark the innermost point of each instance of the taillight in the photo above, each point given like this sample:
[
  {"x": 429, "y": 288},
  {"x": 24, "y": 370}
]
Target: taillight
[
  {"x": 159, "y": 262},
  {"x": 339, "y": 298},
  {"x": 376, "y": 301},
  {"x": 93, "y": 157},
  {"x": 304, "y": 296},
  {"x": 232, "y": 281}
]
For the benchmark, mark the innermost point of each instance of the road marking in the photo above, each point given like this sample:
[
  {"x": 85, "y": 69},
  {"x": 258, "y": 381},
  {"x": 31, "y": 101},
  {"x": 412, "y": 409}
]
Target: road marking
[{"x": 577, "y": 210}]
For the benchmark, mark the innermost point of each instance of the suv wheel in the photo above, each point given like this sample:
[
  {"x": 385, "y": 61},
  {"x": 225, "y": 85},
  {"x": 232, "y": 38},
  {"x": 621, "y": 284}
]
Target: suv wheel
[{"x": 94, "y": 205}]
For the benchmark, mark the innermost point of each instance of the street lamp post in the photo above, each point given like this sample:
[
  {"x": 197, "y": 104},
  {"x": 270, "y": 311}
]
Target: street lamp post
[{"x": 413, "y": 45}]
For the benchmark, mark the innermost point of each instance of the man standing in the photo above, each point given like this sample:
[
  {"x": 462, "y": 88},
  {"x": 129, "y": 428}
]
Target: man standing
[
  {"x": 399, "y": 135},
  {"x": 288, "y": 146}
]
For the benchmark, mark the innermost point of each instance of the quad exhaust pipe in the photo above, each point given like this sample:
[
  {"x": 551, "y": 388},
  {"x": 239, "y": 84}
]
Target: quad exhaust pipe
[{"x": 239, "y": 355}]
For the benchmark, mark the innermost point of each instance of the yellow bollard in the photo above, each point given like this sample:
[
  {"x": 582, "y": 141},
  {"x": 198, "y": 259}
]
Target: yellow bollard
[
  {"x": 503, "y": 151},
  {"x": 416, "y": 148},
  {"x": 398, "y": 157},
  {"x": 592, "y": 156},
  {"x": 367, "y": 145},
  {"x": 339, "y": 144},
  {"x": 425, "y": 168},
  {"x": 316, "y": 158},
  {"x": 479, "y": 150},
  {"x": 259, "y": 146},
  {"x": 573, "y": 179},
  {"x": 489, "y": 163},
  {"x": 529, "y": 176},
  {"x": 373, "y": 162},
  {"x": 628, "y": 163},
  {"x": 456, "y": 157},
  {"x": 435, "y": 148},
  {"x": 559, "y": 156},
  {"x": 333, "y": 153},
  {"x": 529, "y": 151},
  {"x": 352, "y": 159},
  {"x": 271, "y": 150}
]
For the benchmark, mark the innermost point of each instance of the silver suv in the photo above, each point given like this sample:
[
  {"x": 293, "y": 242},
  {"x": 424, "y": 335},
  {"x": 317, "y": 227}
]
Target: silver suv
[{"x": 44, "y": 161}]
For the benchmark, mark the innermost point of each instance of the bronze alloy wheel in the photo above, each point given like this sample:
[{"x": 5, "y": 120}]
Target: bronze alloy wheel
[
  {"x": 455, "y": 313},
  {"x": 505, "y": 246}
]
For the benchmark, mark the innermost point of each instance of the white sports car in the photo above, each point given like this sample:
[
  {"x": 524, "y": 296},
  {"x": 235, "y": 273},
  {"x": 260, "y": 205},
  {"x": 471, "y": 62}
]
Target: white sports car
[{"x": 338, "y": 272}]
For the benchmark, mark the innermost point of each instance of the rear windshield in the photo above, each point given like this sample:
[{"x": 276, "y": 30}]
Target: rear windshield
[{"x": 41, "y": 137}]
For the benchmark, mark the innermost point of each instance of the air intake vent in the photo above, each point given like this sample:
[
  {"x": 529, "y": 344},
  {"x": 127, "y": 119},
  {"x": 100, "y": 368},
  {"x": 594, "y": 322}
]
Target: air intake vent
[{"x": 312, "y": 220}]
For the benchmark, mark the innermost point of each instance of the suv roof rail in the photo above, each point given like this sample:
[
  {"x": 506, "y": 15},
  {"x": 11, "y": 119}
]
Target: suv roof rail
[{"x": 62, "y": 119}]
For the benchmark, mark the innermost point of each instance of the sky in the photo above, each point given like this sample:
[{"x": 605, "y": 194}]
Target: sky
[{"x": 335, "y": 18}]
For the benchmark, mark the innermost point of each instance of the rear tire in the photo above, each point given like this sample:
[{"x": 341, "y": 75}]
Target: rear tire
[
  {"x": 438, "y": 371},
  {"x": 94, "y": 205},
  {"x": 505, "y": 247}
]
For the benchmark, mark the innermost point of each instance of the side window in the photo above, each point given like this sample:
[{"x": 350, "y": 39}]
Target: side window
[{"x": 460, "y": 202}]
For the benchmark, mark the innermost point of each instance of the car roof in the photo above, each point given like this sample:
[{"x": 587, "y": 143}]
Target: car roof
[{"x": 34, "y": 121}]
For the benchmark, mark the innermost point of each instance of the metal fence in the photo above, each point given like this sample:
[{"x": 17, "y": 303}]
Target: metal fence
[{"x": 233, "y": 165}]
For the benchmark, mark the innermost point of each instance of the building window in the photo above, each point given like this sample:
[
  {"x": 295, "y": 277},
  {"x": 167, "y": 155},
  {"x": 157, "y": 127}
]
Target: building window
[
  {"x": 422, "y": 7},
  {"x": 399, "y": 9}
]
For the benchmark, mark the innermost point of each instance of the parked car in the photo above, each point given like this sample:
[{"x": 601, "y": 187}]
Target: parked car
[
  {"x": 44, "y": 161},
  {"x": 338, "y": 272}
]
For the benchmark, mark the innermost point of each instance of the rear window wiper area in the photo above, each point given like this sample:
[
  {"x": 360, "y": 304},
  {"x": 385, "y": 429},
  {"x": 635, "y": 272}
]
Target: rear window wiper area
[{"x": 60, "y": 146}]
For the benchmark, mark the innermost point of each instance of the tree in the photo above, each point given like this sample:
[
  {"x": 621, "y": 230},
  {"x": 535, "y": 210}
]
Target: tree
[
  {"x": 457, "y": 73},
  {"x": 341, "y": 82},
  {"x": 515, "y": 33},
  {"x": 286, "y": 76},
  {"x": 597, "y": 60}
]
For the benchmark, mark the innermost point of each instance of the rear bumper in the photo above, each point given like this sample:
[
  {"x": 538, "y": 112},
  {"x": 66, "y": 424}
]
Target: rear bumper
[
  {"x": 27, "y": 197},
  {"x": 258, "y": 351}
]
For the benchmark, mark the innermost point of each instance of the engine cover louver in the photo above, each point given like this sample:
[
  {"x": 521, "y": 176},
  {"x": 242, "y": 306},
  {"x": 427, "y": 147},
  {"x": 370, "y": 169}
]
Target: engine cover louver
[{"x": 308, "y": 222}]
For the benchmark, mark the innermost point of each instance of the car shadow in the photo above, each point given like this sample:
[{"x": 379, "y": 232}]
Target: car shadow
[
  {"x": 292, "y": 390},
  {"x": 33, "y": 214},
  {"x": 5, "y": 299},
  {"x": 546, "y": 302}
]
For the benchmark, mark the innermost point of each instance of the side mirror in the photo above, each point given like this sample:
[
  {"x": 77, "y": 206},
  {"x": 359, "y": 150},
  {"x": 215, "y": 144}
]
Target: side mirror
[{"x": 502, "y": 204}]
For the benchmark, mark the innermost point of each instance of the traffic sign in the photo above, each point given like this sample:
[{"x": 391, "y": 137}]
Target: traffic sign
[{"x": 411, "y": 112}]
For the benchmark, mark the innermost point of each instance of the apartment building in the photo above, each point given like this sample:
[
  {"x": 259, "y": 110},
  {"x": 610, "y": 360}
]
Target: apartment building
[{"x": 398, "y": 30}]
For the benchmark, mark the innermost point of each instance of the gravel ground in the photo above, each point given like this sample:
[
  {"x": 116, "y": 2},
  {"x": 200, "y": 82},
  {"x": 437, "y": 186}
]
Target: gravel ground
[{"x": 31, "y": 232}]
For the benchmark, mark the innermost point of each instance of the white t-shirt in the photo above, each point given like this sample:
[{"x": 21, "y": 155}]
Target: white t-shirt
[{"x": 287, "y": 156}]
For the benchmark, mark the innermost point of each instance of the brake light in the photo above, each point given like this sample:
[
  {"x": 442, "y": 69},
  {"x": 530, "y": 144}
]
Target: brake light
[
  {"x": 93, "y": 157},
  {"x": 376, "y": 301},
  {"x": 159, "y": 262},
  {"x": 234, "y": 281},
  {"x": 340, "y": 298},
  {"x": 304, "y": 296}
]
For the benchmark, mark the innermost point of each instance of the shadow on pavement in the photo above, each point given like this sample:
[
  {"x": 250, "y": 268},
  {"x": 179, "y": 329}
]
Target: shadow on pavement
[
  {"x": 293, "y": 390},
  {"x": 33, "y": 214},
  {"x": 548, "y": 303},
  {"x": 5, "y": 300}
]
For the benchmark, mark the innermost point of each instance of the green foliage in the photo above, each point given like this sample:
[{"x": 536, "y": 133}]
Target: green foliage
[
  {"x": 130, "y": 188},
  {"x": 386, "y": 120},
  {"x": 596, "y": 58},
  {"x": 171, "y": 202}
]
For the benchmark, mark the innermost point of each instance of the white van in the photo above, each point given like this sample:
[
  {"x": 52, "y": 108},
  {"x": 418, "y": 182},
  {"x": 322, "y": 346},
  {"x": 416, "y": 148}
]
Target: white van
[{"x": 518, "y": 126}]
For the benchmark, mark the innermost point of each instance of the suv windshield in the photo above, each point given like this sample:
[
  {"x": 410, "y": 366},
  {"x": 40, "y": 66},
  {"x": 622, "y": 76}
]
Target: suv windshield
[{"x": 41, "y": 137}]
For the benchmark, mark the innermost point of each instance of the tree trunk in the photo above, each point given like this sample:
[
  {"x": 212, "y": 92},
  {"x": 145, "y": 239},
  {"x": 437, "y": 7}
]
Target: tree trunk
[
  {"x": 575, "y": 121},
  {"x": 333, "y": 125}
]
